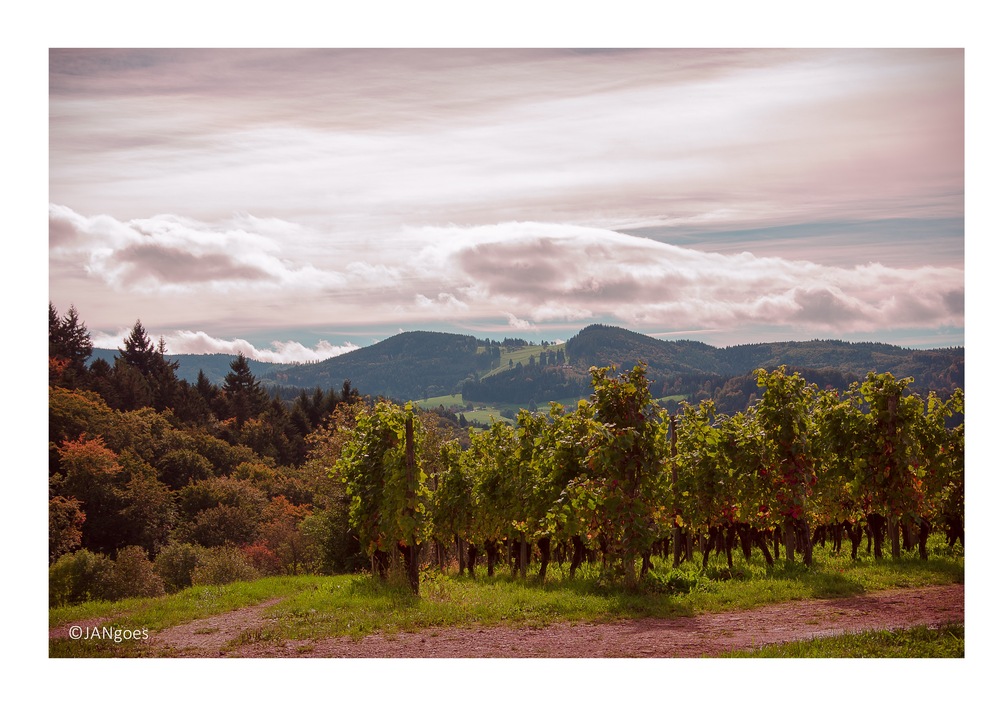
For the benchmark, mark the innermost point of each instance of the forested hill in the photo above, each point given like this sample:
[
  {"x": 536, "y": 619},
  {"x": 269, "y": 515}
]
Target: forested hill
[
  {"x": 600, "y": 345},
  {"x": 410, "y": 365},
  {"x": 938, "y": 369}
]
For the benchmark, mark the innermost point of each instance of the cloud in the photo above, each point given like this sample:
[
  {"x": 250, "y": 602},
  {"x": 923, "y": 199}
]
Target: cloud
[
  {"x": 522, "y": 272},
  {"x": 174, "y": 254},
  {"x": 550, "y": 272},
  {"x": 519, "y": 324},
  {"x": 199, "y": 342}
]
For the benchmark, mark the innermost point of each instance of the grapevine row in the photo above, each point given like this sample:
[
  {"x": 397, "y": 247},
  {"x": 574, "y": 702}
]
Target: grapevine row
[{"x": 619, "y": 475}]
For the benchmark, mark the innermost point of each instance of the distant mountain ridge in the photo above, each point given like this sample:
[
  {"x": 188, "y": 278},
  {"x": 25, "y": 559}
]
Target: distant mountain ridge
[
  {"x": 423, "y": 364},
  {"x": 699, "y": 371},
  {"x": 599, "y": 344},
  {"x": 215, "y": 365}
]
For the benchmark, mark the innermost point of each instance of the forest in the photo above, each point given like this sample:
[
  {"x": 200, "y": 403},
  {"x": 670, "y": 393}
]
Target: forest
[{"x": 156, "y": 483}]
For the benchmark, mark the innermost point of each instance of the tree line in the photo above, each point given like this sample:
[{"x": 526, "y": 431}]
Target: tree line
[{"x": 178, "y": 482}]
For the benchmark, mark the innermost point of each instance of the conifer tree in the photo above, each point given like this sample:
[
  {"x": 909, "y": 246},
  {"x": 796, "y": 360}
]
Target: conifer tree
[
  {"x": 244, "y": 394},
  {"x": 159, "y": 374},
  {"x": 69, "y": 347},
  {"x": 139, "y": 351}
]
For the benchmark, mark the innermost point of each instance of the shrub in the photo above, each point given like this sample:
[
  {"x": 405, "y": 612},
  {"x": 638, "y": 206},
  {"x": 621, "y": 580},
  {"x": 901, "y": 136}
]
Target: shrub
[
  {"x": 221, "y": 565},
  {"x": 265, "y": 561},
  {"x": 133, "y": 576},
  {"x": 176, "y": 563},
  {"x": 78, "y": 577}
]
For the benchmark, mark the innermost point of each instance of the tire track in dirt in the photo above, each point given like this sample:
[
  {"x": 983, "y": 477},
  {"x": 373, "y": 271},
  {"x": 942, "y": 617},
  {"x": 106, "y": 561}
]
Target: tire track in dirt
[
  {"x": 700, "y": 636},
  {"x": 206, "y": 637}
]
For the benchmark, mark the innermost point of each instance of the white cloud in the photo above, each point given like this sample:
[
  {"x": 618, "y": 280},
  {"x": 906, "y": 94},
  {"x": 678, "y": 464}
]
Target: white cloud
[
  {"x": 519, "y": 324},
  {"x": 527, "y": 273},
  {"x": 199, "y": 342},
  {"x": 172, "y": 254}
]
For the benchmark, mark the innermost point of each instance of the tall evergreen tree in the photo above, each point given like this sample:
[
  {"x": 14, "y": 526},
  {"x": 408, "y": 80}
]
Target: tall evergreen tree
[
  {"x": 244, "y": 394},
  {"x": 69, "y": 347},
  {"x": 139, "y": 351},
  {"x": 163, "y": 379},
  {"x": 159, "y": 374}
]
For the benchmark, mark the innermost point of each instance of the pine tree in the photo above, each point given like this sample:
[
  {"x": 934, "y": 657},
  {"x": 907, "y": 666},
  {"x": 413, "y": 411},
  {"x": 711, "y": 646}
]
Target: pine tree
[
  {"x": 244, "y": 394},
  {"x": 139, "y": 352},
  {"x": 151, "y": 363},
  {"x": 69, "y": 347}
]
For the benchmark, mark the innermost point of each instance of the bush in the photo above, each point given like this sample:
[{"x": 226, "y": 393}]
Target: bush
[
  {"x": 78, "y": 577},
  {"x": 133, "y": 576},
  {"x": 221, "y": 565},
  {"x": 674, "y": 582},
  {"x": 175, "y": 564},
  {"x": 265, "y": 561}
]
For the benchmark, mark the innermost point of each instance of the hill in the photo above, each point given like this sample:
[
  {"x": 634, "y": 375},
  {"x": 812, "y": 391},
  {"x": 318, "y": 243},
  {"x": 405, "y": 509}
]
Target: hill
[
  {"x": 602, "y": 345},
  {"x": 423, "y": 364},
  {"x": 699, "y": 371},
  {"x": 411, "y": 365}
]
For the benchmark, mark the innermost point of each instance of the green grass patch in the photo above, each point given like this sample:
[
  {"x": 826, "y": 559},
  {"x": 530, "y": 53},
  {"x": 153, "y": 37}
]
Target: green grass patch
[
  {"x": 487, "y": 412},
  {"x": 920, "y": 642},
  {"x": 447, "y": 401},
  {"x": 510, "y": 358},
  {"x": 158, "y": 613},
  {"x": 313, "y": 607},
  {"x": 189, "y": 604}
]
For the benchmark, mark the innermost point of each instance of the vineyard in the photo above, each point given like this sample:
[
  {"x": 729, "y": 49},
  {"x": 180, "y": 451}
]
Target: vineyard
[{"x": 617, "y": 480}]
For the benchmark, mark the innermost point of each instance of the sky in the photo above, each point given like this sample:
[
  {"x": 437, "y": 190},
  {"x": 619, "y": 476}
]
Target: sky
[{"x": 298, "y": 203}]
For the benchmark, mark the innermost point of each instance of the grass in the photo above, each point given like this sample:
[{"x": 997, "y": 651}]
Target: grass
[
  {"x": 947, "y": 641},
  {"x": 487, "y": 413},
  {"x": 510, "y": 358},
  {"x": 189, "y": 604},
  {"x": 313, "y": 607},
  {"x": 446, "y": 401}
]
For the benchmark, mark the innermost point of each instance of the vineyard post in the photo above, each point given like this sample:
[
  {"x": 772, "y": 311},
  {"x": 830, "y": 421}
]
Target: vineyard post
[
  {"x": 412, "y": 567},
  {"x": 673, "y": 479},
  {"x": 895, "y": 514}
]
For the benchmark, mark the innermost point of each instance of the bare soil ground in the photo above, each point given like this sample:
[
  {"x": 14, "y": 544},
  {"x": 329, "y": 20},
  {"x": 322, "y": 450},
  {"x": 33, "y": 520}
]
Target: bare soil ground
[{"x": 700, "y": 636}]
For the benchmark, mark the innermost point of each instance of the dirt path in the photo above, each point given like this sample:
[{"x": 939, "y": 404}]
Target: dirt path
[
  {"x": 206, "y": 637},
  {"x": 699, "y": 636}
]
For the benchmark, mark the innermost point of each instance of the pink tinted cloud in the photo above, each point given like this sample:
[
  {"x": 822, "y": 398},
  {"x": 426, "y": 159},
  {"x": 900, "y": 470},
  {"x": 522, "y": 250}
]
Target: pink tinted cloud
[
  {"x": 370, "y": 138},
  {"x": 528, "y": 273}
]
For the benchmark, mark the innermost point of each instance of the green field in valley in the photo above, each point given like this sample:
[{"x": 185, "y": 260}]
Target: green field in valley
[{"x": 486, "y": 412}]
